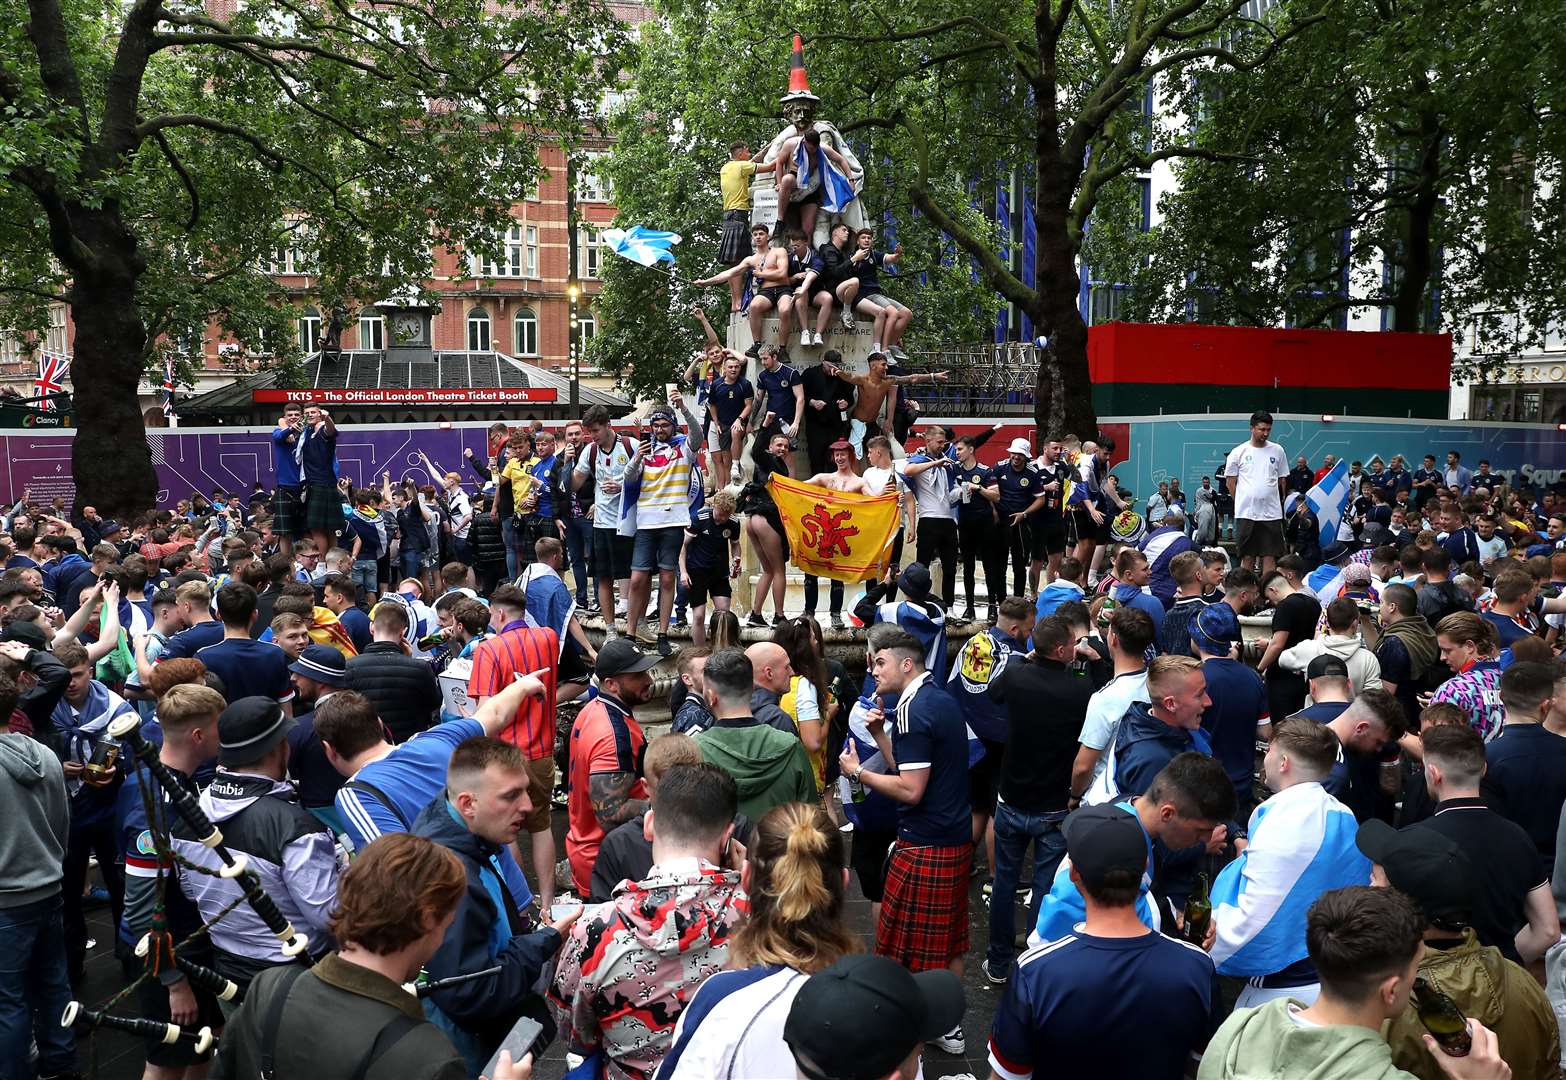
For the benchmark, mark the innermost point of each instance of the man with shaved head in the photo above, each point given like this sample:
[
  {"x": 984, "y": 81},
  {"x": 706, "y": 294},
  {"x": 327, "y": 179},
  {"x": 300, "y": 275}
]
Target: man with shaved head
[
  {"x": 772, "y": 674},
  {"x": 769, "y": 765}
]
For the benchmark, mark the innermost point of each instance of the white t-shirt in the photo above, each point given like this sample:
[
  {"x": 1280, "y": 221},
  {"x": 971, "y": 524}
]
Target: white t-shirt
[
  {"x": 742, "y": 1036},
  {"x": 460, "y": 508},
  {"x": 1105, "y": 708},
  {"x": 875, "y": 482},
  {"x": 1257, "y": 470},
  {"x": 606, "y": 465}
]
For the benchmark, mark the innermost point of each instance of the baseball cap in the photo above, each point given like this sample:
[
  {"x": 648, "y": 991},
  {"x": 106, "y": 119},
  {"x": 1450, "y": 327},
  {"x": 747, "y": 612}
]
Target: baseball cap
[
  {"x": 249, "y": 729},
  {"x": 861, "y": 1018},
  {"x": 915, "y": 581},
  {"x": 621, "y": 657},
  {"x": 1327, "y": 666},
  {"x": 1105, "y": 839},
  {"x": 1020, "y": 446},
  {"x": 1215, "y": 628},
  {"x": 322, "y": 663},
  {"x": 28, "y": 633},
  {"x": 1424, "y": 864}
]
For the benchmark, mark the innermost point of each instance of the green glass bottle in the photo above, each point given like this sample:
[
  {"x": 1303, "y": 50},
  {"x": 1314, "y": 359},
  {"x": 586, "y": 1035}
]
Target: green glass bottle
[
  {"x": 1198, "y": 912},
  {"x": 1443, "y": 1019}
]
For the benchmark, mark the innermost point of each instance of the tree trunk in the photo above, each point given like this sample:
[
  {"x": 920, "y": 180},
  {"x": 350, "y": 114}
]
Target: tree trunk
[
  {"x": 1418, "y": 257},
  {"x": 1063, "y": 394},
  {"x": 110, "y": 458}
]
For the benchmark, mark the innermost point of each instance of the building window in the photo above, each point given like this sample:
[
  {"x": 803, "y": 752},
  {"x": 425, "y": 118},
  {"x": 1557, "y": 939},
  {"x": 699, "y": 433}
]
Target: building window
[
  {"x": 10, "y": 347},
  {"x": 590, "y": 183},
  {"x": 525, "y": 341},
  {"x": 586, "y": 328},
  {"x": 310, "y": 331},
  {"x": 589, "y": 252},
  {"x": 1104, "y": 303},
  {"x": 531, "y": 252},
  {"x": 511, "y": 257},
  {"x": 479, "y": 339},
  {"x": 372, "y": 333},
  {"x": 55, "y": 341}
]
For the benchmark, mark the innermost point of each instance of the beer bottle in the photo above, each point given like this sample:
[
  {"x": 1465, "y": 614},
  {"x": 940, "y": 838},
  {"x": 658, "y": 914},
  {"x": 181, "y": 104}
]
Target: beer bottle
[
  {"x": 104, "y": 755},
  {"x": 1198, "y": 912},
  {"x": 1442, "y": 1018}
]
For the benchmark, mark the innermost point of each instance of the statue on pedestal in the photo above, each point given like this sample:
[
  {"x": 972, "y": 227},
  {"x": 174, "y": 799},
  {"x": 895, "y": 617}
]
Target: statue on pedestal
[{"x": 816, "y": 168}]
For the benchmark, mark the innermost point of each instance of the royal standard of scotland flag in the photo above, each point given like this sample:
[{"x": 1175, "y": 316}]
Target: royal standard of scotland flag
[{"x": 1328, "y": 500}]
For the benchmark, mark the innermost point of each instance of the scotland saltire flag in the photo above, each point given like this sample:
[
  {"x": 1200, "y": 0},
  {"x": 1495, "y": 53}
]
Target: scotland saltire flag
[
  {"x": 645, "y": 247},
  {"x": 837, "y": 191},
  {"x": 1328, "y": 500}
]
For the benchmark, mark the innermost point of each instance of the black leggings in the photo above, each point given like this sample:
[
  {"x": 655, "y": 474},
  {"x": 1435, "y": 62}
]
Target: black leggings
[
  {"x": 937, "y": 539},
  {"x": 977, "y": 541},
  {"x": 813, "y": 593},
  {"x": 1017, "y": 549}
]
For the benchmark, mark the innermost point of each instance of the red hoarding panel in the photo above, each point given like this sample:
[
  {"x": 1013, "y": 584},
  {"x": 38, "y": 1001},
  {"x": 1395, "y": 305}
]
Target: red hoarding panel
[
  {"x": 411, "y": 395},
  {"x": 1251, "y": 356}
]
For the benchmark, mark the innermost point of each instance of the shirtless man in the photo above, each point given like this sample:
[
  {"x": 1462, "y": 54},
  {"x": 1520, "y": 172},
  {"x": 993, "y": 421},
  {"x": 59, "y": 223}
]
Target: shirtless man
[
  {"x": 874, "y": 391},
  {"x": 844, "y": 478},
  {"x": 788, "y": 177},
  {"x": 768, "y": 289}
]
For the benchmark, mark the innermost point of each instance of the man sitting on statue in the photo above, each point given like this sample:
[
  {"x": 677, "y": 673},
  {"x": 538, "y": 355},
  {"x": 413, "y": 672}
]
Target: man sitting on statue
[
  {"x": 838, "y": 274},
  {"x": 892, "y": 316},
  {"x": 802, "y": 157},
  {"x": 812, "y": 289},
  {"x": 757, "y": 298}
]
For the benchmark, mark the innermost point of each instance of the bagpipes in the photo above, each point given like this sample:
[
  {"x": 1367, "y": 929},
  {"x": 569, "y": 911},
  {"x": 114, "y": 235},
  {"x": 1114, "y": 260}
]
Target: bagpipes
[
  {"x": 425, "y": 989},
  {"x": 235, "y": 866},
  {"x": 168, "y": 1034}
]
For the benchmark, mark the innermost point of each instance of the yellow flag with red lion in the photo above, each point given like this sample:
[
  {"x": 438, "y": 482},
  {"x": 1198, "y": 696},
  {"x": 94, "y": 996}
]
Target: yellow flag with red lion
[{"x": 835, "y": 534}]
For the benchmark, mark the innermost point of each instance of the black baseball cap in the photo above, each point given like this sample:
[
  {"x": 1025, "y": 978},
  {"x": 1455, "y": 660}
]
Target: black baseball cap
[
  {"x": 28, "y": 633},
  {"x": 915, "y": 581},
  {"x": 1104, "y": 839},
  {"x": 861, "y": 1018},
  {"x": 620, "y": 656},
  {"x": 1327, "y": 666},
  {"x": 1424, "y": 864},
  {"x": 249, "y": 729}
]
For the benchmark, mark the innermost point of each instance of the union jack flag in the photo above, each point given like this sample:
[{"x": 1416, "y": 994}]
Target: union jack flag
[
  {"x": 168, "y": 386},
  {"x": 52, "y": 370}
]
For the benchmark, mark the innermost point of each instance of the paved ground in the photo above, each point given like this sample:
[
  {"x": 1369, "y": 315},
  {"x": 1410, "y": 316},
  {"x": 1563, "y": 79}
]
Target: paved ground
[{"x": 112, "y": 1056}]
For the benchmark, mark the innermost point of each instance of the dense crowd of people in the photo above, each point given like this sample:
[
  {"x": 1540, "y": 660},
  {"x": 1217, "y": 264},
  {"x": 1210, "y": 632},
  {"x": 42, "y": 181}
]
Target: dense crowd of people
[{"x": 1289, "y": 812}]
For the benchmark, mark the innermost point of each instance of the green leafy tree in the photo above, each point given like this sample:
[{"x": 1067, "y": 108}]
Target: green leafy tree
[
  {"x": 948, "y": 100},
  {"x": 1390, "y": 162},
  {"x": 154, "y": 156}
]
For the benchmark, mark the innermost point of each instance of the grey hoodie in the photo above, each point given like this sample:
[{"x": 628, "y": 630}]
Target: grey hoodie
[{"x": 37, "y": 818}]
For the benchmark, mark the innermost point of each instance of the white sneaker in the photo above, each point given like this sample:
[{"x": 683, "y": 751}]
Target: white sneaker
[
  {"x": 875, "y": 346},
  {"x": 952, "y": 1042},
  {"x": 734, "y": 474},
  {"x": 815, "y": 338},
  {"x": 847, "y": 318},
  {"x": 621, "y": 607}
]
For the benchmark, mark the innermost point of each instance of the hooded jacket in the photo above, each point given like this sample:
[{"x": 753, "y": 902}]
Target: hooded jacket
[
  {"x": 769, "y": 767},
  {"x": 1264, "y": 1043},
  {"x": 486, "y": 932},
  {"x": 1133, "y": 596},
  {"x": 289, "y": 849},
  {"x": 1057, "y": 592},
  {"x": 1143, "y": 745},
  {"x": 1497, "y": 993},
  {"x": 37, "y": 819},
  {"x": 1363, "y": 667},
  {"x": 1415, "y": 632}
]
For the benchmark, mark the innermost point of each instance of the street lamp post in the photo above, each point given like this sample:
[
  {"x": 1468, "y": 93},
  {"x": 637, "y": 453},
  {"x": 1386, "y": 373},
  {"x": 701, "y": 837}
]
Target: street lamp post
[{"x": 573, "y": 294}]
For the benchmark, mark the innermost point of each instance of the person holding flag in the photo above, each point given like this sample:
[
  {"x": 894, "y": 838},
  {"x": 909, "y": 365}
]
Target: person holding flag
[{"x": 1257, "y": 473}]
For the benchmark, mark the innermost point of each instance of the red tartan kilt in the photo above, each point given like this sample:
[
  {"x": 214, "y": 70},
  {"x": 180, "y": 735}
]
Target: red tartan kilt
[{"x": 924, "y": 914}]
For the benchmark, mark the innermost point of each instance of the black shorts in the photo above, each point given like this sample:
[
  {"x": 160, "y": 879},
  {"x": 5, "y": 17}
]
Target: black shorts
[
  {"x": 1252, "y": 537},
  {"x": 705, "y": 583},
  {"x": 573, "y": 669},
  {"x": 774, "y": 293},
  {"x": 1087, "y": 529},
  {"x": 612, "y": 554},
  {"x": 153, "y": 999},
  {"x": 868, "y": 859},
  {"x": 984, "y": 777},
  {"x": 1049, "y": 538}
]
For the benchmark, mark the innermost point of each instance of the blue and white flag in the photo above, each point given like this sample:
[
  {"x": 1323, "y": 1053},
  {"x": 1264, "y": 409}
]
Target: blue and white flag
[
  {"x": 645, "y": 247},
  {"x": 1301, "y": 845},
  {"x": 837, "y": 190},
  {"x": 1329, "y": 500}
]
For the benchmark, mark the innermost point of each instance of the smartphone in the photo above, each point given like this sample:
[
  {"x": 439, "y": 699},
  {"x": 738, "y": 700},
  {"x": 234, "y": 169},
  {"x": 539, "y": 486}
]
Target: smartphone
[
  {"x": 523, "y": 1038},
  {"x": 562, "y": 908}
]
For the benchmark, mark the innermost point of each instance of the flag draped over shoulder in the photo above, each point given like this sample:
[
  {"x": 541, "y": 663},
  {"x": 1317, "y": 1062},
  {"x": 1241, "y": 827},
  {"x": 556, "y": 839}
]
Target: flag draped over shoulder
[
  {"x": 834, "y": 534},
  {"x": 837, "y": 190},
  {"x": 1328, "y": 500}
]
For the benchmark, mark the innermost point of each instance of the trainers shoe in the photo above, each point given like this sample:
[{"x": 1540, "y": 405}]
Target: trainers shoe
[
  {"x": 896, "y": 352},
  {"x": 847, "y": 318},
  {"x": 621, "y": 607},
  {"x": 837, "y": 621},
  {"x": 783, "y": 352},
  {"x": 968, "y": 614},
  {"x": 665, "y": 649},
  {"x": 754, "y": 351},
  {"x": 989, "y": 973},
  {"x": 988, "y": 888},
  {"x": 96, "y": 895},
  {"x": 677, "y": 620},
  {"x": 952, "y": 1042},
  {"x": 734, "y": 474},
  {"x": 757, "y": 619},
  {"x": 875, "y": 346}
]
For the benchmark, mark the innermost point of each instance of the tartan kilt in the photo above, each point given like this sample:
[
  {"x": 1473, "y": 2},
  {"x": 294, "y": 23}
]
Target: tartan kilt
[
  {"x": 288, "y": 512},
  {"x": 323, "y": 509},
  {"x": 735, "y": 244},
  {"x": 924, "y": 912}
]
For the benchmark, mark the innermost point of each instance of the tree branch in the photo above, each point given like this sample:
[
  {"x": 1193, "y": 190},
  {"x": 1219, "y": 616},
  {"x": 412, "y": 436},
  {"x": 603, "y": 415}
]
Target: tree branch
[
  {"x": 1023, "y": 62},
  {"x": 46, "y": 28},
  {"x": 179, "y": 169},
  {"x": 122, "y": 90},
  {"x": 222, "y": 37},
  {"x": 27, "y": 290}
]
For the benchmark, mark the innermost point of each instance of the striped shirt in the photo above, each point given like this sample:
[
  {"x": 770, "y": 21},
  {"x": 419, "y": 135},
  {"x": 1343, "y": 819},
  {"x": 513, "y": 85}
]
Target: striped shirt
[
  {"x": 519, "y": 650},
  {"x": 665, "y": 497}
]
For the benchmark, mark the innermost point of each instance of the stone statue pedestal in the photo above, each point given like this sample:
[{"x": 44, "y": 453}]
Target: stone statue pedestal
[{"x": 854, "y": 344}]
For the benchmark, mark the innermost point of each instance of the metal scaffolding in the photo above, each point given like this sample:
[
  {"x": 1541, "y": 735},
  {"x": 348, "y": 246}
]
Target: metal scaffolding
[{"x": 988, "y": 379}]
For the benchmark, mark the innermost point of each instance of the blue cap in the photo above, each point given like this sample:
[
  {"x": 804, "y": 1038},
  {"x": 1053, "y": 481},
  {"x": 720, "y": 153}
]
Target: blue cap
[{"x": 1215, "y": 628}]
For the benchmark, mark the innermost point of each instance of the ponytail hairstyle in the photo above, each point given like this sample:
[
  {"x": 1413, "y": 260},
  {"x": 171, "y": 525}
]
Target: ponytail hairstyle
[{"x": 796, "y": 892}]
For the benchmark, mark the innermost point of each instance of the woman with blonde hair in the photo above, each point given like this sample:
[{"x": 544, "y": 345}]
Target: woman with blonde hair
[{"x": 797, "y": 880}]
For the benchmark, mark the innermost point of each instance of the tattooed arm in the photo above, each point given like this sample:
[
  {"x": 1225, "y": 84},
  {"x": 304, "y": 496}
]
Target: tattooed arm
[{"x": 611, "y": 797}]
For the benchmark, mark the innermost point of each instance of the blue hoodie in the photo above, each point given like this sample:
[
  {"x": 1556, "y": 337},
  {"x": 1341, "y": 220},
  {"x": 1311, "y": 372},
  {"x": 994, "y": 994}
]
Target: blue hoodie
[
  {"x": 1144, "y": 744},
  {"x": 1056, "y": 593},
  {"x": 1133, "y": 596}
]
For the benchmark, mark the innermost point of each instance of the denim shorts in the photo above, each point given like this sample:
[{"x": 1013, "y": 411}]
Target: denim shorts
[
  {"x": 658, "y": 549},
  {"x": 364, "y": 574}
]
